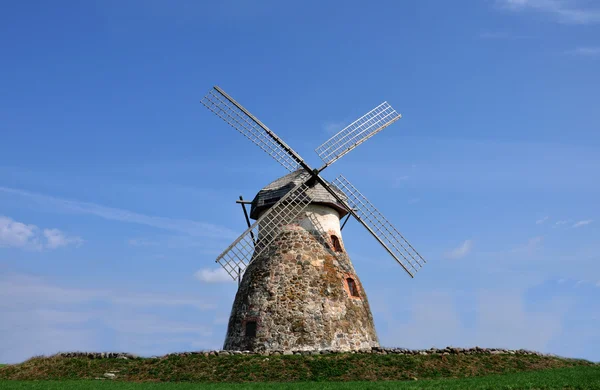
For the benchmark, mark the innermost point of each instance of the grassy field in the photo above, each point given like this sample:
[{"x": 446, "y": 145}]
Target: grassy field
[
  {"x": 295, "y": 368},
  {"x": 563, "y": 378}
]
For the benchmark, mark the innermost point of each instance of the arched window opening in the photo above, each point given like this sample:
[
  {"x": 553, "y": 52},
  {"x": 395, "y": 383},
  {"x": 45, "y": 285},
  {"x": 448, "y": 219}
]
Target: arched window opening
[
  {"x": 336, "y": 243},
  {"x": 251, "y": 329},
  {"x": 352, "y": 287}
]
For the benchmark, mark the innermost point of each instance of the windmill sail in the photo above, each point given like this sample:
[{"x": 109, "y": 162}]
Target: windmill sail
[
  {"x": 384, "y": 231},
  {"x": 250, "y": 127},
  {"x": 357, "y": 132},
  {"x": 243, "y": 250}
]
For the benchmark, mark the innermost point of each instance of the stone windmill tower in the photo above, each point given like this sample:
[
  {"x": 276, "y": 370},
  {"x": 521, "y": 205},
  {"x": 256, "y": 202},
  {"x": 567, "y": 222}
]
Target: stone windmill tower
[{"x": 297, "y": 287}]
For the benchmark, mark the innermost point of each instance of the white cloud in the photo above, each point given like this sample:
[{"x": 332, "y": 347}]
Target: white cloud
[
  {"x": 193, "y": 228},
  {"x": 560, "y": 223},
  {"x": 55, "y": 239},
  {"x": 217, "y": 275},
  {"x": 564, "y": 11},
  {"x": 19, "y": 235},
  {"x": 541, "y": 220},
  {"x": 16, "y": 234},
  {"x": 577, "y": 283},
  {"x": 582, "y": 223},
  {"x": 585, "y": 51},
  {"x": 461, "y": 251}
]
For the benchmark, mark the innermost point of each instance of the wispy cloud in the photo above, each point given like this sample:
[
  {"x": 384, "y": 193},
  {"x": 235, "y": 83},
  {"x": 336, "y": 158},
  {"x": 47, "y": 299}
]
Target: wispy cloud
[
  {"x": 55, "y": 239},
  {"x": 332, "y": 127},
  {"x": 582, "y": 223},
  {"x": 39, "y": 317},
  {"x": 500, "y": 35},
  {"x": 217, "y": 275},
  {"x": 397, "y": 181},
  {"x": 193, "y": 228},
  {"x": 585, "y": 51},
  {"x": 141, "y": 242},
  {"x": 461, "y": 251},
  {"x": 27, "y": 236},
  {"x": 154, "y": 300},
  {"x": 541, "y": 220},
  {"x": 19, "y": 288},
  {"x": 534, "y": 243},
  {"x": 560, "y": 223},
  {"x": 575, "y": 283},
  {"x": 563, "y": 11}
]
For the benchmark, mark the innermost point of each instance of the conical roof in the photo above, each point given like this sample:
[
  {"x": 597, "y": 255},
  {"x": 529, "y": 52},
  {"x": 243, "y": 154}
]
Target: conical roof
[{"x": 270, "y": 194}]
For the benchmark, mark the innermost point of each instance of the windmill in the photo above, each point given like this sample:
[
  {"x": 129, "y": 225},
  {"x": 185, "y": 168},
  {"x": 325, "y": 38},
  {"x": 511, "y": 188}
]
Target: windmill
[{"x": 297, "y": 287}]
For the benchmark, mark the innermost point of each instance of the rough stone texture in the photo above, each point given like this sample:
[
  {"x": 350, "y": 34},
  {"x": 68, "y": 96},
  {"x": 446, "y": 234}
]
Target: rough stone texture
[{"x": 298, "y": 296}]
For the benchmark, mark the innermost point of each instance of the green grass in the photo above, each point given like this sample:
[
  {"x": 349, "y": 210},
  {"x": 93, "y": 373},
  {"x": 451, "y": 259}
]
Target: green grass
[
  {"x": 583, "y": 377},
  {"x": 295, "y": 368}
]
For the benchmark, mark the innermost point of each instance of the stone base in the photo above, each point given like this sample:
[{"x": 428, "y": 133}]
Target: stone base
[{"x": 301, "y": 295}]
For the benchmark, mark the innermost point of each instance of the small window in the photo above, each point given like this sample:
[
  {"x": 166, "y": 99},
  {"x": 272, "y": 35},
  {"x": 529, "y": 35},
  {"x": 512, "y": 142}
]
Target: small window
[
  {"x": 336, "y": 243},
  {"x": 352, "y": 287},
  {"x": 251, "y": 329}
]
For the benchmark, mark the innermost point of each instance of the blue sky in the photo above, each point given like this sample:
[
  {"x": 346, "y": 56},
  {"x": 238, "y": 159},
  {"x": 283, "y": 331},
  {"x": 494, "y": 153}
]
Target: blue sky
[{"x": 117, "y": 187}]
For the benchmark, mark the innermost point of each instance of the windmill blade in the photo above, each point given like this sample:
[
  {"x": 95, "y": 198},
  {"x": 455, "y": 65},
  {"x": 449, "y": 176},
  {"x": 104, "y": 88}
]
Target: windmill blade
[
  {"x": 243, "y": 250},
  {"x": 243, "y": 121},
  {"x": 357, "y": 132},
  {"x": 380, "y": 227}
]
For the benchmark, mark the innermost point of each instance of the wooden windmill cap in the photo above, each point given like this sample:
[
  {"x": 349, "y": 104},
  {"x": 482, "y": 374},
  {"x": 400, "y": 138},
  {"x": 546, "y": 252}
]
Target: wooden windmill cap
[{"x": 270, "y": 194}]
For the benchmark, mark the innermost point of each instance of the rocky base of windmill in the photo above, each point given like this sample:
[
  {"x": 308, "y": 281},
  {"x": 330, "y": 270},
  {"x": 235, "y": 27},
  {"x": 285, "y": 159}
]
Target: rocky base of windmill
[
  {"x": 295, "y": 296},
  {"x": 374, "y": 350}
]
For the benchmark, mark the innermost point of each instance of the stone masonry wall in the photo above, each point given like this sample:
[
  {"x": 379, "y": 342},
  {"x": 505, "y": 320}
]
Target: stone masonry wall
[
  {"x": 374, "y": 350},
  {"x": 297, "y": 294}
]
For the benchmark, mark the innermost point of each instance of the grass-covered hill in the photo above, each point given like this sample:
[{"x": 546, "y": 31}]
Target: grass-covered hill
[{"x": 339, "y": 367}]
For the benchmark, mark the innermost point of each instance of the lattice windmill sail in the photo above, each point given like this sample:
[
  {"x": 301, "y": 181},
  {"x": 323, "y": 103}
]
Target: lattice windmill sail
[
  {"x": 252, "y": 243},
  {"x": 267, "y": 252},
  {"x": 357, "y": 132}
]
